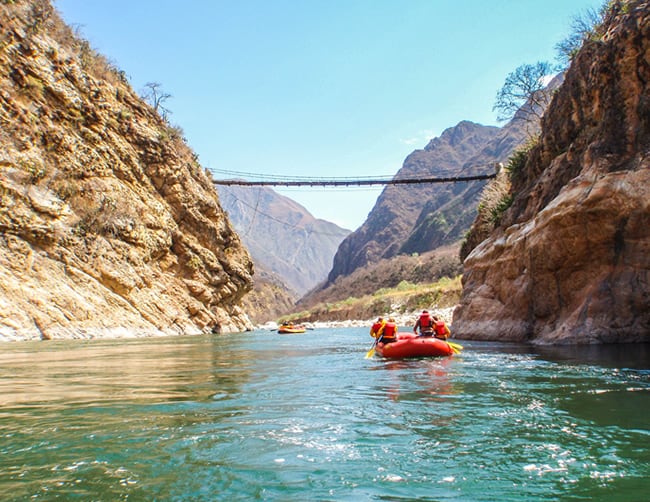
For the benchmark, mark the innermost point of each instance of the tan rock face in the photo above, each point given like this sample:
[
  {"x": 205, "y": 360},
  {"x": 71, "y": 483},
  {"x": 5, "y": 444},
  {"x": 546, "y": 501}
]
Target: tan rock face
[
  {"x": 570, "y": 262},
  {"x": 109, "y": 226}
]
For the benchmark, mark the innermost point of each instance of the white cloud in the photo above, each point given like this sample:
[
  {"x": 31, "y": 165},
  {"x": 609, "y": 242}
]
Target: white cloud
[{"x": 421, "y": 139}]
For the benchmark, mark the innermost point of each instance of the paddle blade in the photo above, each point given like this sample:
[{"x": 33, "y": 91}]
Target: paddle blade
[
  {"x": 456, "y": 347},
  {"x": 370, "y": 353}
]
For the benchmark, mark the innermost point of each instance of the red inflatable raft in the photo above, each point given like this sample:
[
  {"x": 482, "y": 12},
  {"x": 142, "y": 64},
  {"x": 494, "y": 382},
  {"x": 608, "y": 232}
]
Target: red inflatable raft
[{"x": 411, "y": 345}]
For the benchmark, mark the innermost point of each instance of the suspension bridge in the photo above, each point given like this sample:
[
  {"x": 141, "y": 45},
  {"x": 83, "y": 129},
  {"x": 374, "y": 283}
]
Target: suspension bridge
[{"x": 271, "y": 180}]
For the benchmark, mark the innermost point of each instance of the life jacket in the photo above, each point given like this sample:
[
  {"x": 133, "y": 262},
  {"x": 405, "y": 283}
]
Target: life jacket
[
  {"x": 390, "y": 330},
  {"x": 376, "y": 329},
  {"x": 426, "y": 323},
  {"x": 441, "y": 329}
]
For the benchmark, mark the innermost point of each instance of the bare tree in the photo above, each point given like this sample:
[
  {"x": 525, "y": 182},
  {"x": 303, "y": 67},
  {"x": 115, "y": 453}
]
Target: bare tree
[
  {"x": 584, "y": 27},
  {"x": 524, "y": 94},
  {"x": 155, "y": 96}
]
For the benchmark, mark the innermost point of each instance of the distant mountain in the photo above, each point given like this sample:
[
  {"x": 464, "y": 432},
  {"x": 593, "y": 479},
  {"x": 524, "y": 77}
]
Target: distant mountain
[
  {"x": 418, "y": 218},
  {"x": 282, "y": 236}
]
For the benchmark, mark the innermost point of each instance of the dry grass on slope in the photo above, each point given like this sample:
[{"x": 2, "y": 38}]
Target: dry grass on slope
[
  {"x": 417, "y": 269},
  {"x": 496, "y": 198},
  {"x": 401, "y": 284},
  {"x": 403, "y": 299}
]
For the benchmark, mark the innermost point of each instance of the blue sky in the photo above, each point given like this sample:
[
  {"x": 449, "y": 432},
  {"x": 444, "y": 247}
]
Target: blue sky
[{"x": 323, "y": 88}]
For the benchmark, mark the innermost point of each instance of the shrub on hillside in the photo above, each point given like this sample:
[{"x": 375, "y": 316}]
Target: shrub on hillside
[{"x": 496, "y": 198}]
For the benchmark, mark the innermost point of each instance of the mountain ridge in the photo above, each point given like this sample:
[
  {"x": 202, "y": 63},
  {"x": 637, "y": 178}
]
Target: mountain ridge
[
  {"x": 282, "y": 235},
  {"x": 428, "y": 216}
]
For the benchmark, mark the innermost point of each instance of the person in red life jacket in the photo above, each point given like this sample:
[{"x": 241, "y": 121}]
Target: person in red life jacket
[
  {"x": 425, "y": 324},
  {"x": 389, "y": 332},
  {"x": 441, "y": 329},
  {"x": 376, "y": 328}
]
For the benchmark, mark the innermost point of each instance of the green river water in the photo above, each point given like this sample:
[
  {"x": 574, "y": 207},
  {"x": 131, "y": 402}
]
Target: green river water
[{"x": 262, "y": 416}]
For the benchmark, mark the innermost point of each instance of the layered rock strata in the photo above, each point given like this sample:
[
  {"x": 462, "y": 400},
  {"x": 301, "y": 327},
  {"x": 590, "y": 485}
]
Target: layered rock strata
[{"x": 109, "y": 226}]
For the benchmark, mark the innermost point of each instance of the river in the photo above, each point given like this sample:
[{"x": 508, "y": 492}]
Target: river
[{"x": 262, "y": 416}]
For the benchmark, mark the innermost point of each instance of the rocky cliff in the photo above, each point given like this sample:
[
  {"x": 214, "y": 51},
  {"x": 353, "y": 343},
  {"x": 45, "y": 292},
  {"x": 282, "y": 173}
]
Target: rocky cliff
[
  {"x": 282, "y": 236},
  {"x": 570, "y": 260},
  {"x": 109, "y": 226},
  {"x": 269, "y": 299}
]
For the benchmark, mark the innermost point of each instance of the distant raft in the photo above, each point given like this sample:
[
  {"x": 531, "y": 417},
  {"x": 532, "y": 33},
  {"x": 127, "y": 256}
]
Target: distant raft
[
  {"x": 288, "y": 328},
  {"x": 411, "y": 345}
]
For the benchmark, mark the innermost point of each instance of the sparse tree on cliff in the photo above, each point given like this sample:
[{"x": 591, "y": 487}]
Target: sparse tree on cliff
[
  {"x": 155, "y": 96},
  {"x": 584, "y": 27},
  {"x": 524, "y": 93}
]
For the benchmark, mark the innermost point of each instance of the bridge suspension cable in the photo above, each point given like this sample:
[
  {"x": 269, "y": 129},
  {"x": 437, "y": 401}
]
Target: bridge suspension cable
[{"x": 294, "y": 181}]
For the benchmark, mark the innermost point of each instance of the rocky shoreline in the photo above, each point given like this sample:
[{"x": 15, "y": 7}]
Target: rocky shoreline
[{"x": 405, "y": 321}]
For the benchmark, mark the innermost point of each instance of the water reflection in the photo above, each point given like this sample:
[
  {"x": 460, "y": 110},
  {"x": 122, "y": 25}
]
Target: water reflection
[
  {"x": 94, "y": 372},
  {"x": 418, "y": 379}
]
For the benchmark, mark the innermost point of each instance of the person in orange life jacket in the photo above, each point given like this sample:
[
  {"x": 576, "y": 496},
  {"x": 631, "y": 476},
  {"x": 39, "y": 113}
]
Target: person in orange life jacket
[
  {"x": 388, "y": 333},
  {"x": 377, "y": 327},
  {"x": 441, "y": 329},
  {"x": 425, "y": 323}
]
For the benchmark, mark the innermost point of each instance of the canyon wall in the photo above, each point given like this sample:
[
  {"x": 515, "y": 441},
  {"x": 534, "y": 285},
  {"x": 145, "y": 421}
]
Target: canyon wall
[
  {"x": 108, "y": 224},
  {"x": 570, "y": 260}
]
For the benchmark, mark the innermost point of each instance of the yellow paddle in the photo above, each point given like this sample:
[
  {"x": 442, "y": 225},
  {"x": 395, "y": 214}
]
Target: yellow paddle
[
  {"x": 371, "y": 352},
  {"x": 456, "y": 347}
]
